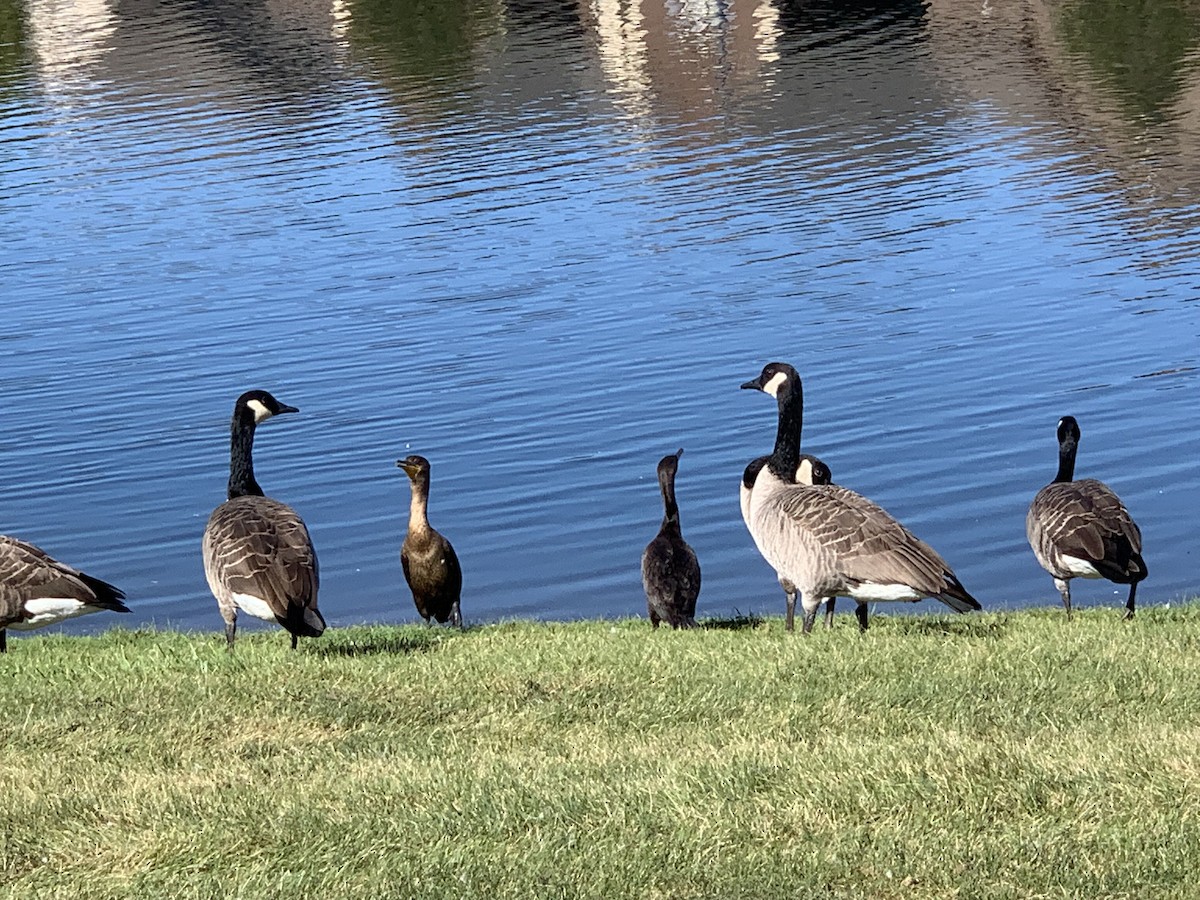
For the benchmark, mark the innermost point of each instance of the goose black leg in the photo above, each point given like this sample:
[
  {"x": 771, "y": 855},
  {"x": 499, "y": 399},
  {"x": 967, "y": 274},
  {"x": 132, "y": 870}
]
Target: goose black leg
[
  {"x": 294, "y": 640},
  {"x": 3, "y": 640},
  {"x": 810, "y": 616},
  {"x": 456, "y": 616},
  {"x": 1130, "y": 604},
  {"x": 860, "y": 612},
  {"x": 1064, "y": 588},
  {"x": 791, "y": 611},
  {"x": 230, "y": 631},
  {"x": 829, "y": 612}
]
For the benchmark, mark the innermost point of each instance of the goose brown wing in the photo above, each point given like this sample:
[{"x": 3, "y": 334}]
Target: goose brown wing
[
  {"x": 259, "y": 546},
  {"x": 29, "y": 573},
  {"x": 867, "y": 545},
  {"x": 1085, "y": 519}
]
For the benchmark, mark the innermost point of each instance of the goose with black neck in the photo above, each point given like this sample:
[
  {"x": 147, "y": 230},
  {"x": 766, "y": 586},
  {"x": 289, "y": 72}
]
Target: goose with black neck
[
  {"x": 258, "y": 555},
  {"x": 826, "y": 541}
]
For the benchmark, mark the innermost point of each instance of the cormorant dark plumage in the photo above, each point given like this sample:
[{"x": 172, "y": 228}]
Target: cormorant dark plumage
[
  {"x": 258, "y": 556},
  {"x": 670, "y": 570},
  {"x": 1081, "y": 529},
  {"x": 431, "y": 566},
  {"x": 37, "y": 590}
]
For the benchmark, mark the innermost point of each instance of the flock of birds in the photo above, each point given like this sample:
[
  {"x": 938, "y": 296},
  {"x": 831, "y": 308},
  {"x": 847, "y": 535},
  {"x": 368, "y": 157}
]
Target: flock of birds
[{"x": 823, "y": 540}]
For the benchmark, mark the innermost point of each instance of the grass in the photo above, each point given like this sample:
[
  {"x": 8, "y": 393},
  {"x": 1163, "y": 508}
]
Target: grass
[{"x": 997, "y": 755}]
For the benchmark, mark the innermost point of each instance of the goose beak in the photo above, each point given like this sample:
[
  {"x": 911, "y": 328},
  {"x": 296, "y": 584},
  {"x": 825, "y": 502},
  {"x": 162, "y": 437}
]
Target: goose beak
[
  {"x": 284, "y": 408},
  {"x": 755, "y": 385},
  {"x": 409, "y": 469}
]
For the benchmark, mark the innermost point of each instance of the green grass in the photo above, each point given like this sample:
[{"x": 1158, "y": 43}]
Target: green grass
[{"x": 998, "y": 755}]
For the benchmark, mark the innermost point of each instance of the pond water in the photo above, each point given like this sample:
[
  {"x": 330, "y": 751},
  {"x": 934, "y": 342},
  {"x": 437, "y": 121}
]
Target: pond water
[{"x": 543, "y": 243}]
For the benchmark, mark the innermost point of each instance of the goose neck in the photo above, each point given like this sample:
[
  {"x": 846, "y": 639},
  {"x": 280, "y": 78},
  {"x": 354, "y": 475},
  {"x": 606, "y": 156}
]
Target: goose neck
[
  {"x": 241, "y": 460},
  {"x": 1066, "y": 461},
  {"x": 786, "y": 457}
]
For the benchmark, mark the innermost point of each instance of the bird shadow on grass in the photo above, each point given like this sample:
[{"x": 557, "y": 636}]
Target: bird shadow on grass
[
  {"x": 406, "y": 643},
  {"x": 958, "y": 626},
  {"x": 736, "y": 622}
]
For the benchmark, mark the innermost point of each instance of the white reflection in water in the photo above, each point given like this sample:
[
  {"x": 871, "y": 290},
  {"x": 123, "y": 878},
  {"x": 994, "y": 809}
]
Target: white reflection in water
[
  {"x": 621, "y": 43},
  {"x": 767, "y": 31},
  {"x": 69, "y": 38}
]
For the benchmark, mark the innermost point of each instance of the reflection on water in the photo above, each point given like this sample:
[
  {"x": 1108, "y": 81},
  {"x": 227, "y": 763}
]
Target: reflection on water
[
  {"x": 541, "y": 243},
  {"x": 1140, "y": 49}
]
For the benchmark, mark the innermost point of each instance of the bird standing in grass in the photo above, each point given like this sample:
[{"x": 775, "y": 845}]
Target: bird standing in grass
[
  {"x": 1081, "y": 529},
  {"x": 37, "y": 590},
  {"x": 670, "y": 570},
  {"x": 810, "y": 471},
  {"x": 826, "y": 541},
  {"x": 430, "y": 564},
  {"x": 258, "y": 556}
]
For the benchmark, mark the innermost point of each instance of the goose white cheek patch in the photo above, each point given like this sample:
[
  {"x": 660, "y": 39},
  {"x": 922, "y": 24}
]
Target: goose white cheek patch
[
  {"x": 772, "y": 387},
  {"x": 260, "y": 412},
  {"x": 804, "y": 474}
]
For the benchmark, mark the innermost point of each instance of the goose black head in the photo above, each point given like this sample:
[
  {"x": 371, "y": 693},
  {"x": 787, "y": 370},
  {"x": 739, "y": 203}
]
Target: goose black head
[
  {"x": 259, "y": 406},
  {"x": 1068, "y": 444},
  {"x": 813, "y": 471},
  {"x": 415, "y": 467},
  {"x": 1068, "y": 430},
  {"x": 750, "y": 475},
  {"x": 777, "y": 379}
]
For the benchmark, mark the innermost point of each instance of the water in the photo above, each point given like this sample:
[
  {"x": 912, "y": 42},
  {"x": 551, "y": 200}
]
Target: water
[{"x": 543, "y": 243}]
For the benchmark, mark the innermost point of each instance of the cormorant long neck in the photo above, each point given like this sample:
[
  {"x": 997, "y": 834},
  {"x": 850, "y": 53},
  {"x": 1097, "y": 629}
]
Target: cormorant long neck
[
  {"x": 1066, "y": 459},
  {"x": 666, "y": 483},
  {"x": 786, "y": 457},
  {"x": 418, "y": 507},
  {"x": 241, "y": 458}
]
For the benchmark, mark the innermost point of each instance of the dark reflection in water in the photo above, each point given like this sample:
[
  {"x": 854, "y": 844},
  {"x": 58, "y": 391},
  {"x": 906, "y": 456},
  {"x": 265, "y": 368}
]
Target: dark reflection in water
[
  {"x": 541, "y": 243},
  {"x": 813, "y": 23},
  {"x": 426, "y": 40},
  {"x": 1139, "y": 48}
]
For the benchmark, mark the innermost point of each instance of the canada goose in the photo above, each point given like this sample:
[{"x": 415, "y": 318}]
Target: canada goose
[
  {"x": 810, "y": 471},
  {"x": 430, "y": 564},
  {"x": 37, "y": 590},
  {"x": 670, "y": 570},
  {"x": 1080, "y": 529},
  {"x": 258, "y": 557},
  {"x": 827, "y": 541}
]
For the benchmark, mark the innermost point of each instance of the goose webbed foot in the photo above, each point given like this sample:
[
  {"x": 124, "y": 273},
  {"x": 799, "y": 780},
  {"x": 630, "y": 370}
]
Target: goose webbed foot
[
  {"x": 1130, "y": 604},
  {"x": 810, "y": 616},
  {"x": 1064, "y": 588}
]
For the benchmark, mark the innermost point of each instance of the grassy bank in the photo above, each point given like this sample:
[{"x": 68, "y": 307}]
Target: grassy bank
[{"x": 999, "y": 755}]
